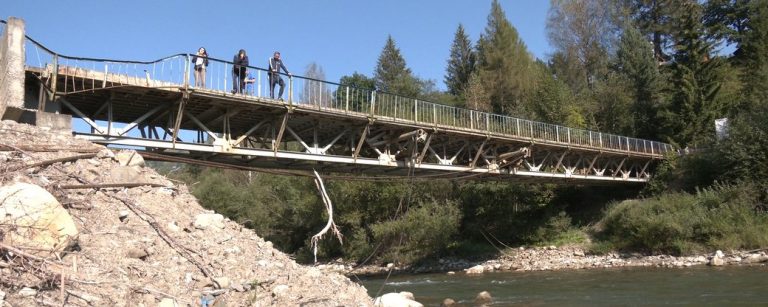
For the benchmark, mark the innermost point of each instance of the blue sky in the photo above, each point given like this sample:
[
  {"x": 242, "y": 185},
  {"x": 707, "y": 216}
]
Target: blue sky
[{"x": 342, "y": 36}]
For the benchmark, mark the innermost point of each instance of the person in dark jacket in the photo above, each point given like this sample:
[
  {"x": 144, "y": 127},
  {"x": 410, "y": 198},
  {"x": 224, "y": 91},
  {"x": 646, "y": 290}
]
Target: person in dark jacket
[
  {"x": 200, "y": 61},
  {"x": 239, "y": 72},
  {"x": 274, "y": 75}
]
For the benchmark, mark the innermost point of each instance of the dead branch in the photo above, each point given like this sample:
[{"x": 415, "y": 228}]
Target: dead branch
[
  {"x": 328, "y": 207},
  {"x": 52, "y": 161},
  {"x": 46, "y": 148},
  {"x": 112, "y": 185}
]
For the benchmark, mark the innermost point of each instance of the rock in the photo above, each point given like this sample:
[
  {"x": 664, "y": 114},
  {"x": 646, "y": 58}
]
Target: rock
[
  {"x": 406, "y": 294},
  {"x": 122, "y": 174},
  {"x": 173, "y": 227},
  {"x": 478, "y": 269},
  {"x": 716, "y": 261},
  {"x": 105, "y": 153},
  {"x": 129, "y": 158},
  {"x": 395, "y": 300},
  {"x": 238, "y": 287},
  {"x": 209, "y": 220},
  {"x": 122, "y": 215},
  {"x": 390, "y": 265},
  {"x": 552, "y": 247},
  {"x": 221, "y": 282},
  {"x": 2, "y": 297},
  {"x": 27, "y": 292},
  {"x": 448, "y": 302},
  {"x": 578, "y": 253},
  {"x": 32, "y": 219},
  {"x": 167, "y": 302},
  {"x": 280, "y": 290},
  {"x": 483, "y": 298},
  {"x": 137, "y": 253},
  {"x": 451, "y": 273},
  {"x": 755, "y": 258},
  {"x": 719, "y": 254}
]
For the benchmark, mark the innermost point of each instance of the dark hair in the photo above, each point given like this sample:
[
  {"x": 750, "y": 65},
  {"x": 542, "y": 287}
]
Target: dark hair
[
  {"x": 205, "y": 51},
  {"x": 242, "y": 51}
]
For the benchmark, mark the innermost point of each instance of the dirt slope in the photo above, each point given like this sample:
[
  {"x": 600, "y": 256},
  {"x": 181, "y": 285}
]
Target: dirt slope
[{"x": 139, "y": 244}]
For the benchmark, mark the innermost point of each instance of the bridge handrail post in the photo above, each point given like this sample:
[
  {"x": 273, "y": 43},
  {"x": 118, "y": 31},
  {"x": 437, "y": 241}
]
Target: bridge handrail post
[
  {"x": 373, "y": 102},
  {"x": 346, "y": 103}
]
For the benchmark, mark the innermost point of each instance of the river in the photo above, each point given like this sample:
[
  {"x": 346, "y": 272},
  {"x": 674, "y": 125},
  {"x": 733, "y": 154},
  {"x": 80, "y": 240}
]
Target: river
[{"x": 702, "y": 285}]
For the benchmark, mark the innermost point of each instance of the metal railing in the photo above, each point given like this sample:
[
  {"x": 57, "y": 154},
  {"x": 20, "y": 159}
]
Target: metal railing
[{"x": 178, "y": 71}]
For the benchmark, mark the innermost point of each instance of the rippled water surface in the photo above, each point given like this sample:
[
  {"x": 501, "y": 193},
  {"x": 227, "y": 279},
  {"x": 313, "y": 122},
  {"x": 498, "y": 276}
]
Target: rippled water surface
[{"x": 722, "y": 286}]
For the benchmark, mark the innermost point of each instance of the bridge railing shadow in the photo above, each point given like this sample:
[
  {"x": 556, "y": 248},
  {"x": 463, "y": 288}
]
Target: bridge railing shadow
[{"x": 177, "y": 71}]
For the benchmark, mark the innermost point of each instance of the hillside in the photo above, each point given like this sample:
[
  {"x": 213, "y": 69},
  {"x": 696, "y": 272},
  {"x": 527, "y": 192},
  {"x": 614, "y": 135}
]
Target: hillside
[{"x": 143, "y": 239}]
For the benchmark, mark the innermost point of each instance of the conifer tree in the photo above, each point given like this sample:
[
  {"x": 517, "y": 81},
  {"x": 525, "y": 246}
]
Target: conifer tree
[
  {"x": 460, "y": 64},
  {"x": 504, "y": 64},
  {"x": 635, "y": 62},
  {"x": 392, "y": 75},
  {"x": 697, "y": 80},
  {"x": 754, "y": 49}
]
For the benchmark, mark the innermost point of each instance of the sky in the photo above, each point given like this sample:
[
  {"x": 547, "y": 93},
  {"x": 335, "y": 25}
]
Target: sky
[{"x": 342, "y": 36}]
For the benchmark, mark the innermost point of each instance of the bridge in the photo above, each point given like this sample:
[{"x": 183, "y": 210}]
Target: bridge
[{"x": 154, "y": 107}]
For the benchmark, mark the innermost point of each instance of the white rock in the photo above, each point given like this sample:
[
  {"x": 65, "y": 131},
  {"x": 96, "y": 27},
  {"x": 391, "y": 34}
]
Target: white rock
[
  {"x": 395, "y": 300},
  {"x": 280, "y": 290},
  {"x": 390, "y": 265},
  {"x": 717, "y": 261},
  {"x": 719, "y": 254},
  {"x": 478, "y": 269},
  {"x": 483, "y": 298},
  {"x": 27, "y": 292},
  {"x": 408, "y": 295},
  {"x": 209, "y": 220},
  {"x": 105, "y": 153},
  {"x": 167, "y": 302},
  {"x": 221, "y": 282},
  {"x": 173, "y": 227},
  {"x": 451, "y": 273},
  {"x": 129, "y": 158},
  {"x": 34, "y": 220}
]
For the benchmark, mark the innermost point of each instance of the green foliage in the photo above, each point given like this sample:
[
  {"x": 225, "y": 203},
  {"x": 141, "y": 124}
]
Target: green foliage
[
  {"x": 721, "y": 217},
  {"x": 392, "y": 75},
  {"x": 422, "y": 231},
  {"x": 504, "y": 64},
  {"x": 460, "y": 64}
]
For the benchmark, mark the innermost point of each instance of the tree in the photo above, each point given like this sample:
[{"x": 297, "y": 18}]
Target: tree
[
  {"x": 504, "y": 64},
  {"x": 315, "y": 91},
  {"x": 754, "y": 57},
  {"x": 476, "y": 96},
  {"x": 357, "y": 89},
  {"x": 635, "y": 63},
  {"x": 655, "y": 19},
  {"x": 392, "y": 75},
  {"x": 460, "y": 64},
  {"x": 584, "y": 31},
  {"x": 697, "y": 78}
]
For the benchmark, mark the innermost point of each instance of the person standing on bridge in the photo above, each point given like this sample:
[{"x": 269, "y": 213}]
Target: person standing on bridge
[
  {"x": 274, "y": 75},
  {"x": 239, "y": 72},
  {"x": 200, "y": 60}
]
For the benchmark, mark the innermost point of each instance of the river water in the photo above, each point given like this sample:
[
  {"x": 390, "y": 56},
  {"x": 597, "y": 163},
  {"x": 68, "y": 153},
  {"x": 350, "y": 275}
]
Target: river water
[{"x": 719, "y": 286}]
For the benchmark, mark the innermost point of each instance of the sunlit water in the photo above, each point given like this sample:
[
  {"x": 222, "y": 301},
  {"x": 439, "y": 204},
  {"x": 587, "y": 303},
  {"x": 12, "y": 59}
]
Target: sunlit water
[{"x": 722, "y": 286}]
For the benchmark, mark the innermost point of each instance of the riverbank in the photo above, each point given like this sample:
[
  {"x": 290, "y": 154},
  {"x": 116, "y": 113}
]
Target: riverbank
[{"x": 552, "y": 258}]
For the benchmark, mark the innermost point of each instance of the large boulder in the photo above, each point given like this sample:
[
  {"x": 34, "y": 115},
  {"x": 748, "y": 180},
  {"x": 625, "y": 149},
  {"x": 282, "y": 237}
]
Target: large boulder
[
  {"x": 209, "y": 220},
  {"x": 483, "y": 298},
  {"x": 33, "y": 220},
  {"x": 129, "y": 158},
  {"x": 478, "y": 269},
  {"x": 395, "y": 300}
]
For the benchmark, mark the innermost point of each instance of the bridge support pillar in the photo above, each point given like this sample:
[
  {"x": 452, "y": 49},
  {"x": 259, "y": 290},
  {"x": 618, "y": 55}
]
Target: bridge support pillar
[{"x": 12, "y": 70}]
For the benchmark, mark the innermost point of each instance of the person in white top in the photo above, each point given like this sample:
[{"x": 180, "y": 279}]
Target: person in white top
[{"x": 200, "y": 60}]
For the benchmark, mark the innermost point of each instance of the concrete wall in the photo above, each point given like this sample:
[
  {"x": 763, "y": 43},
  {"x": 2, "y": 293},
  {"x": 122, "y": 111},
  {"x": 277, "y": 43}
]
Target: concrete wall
[{"x": 12, "y": 67}]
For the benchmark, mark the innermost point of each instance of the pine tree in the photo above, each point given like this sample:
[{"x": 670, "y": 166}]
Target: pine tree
[
  {"x": 504, "y": 64},
  {"x": 635, "y": 62},
  {"x": 754, "y": 53},
  {"x": 392, "y": 75},
  {"x": 696, "y": 76},
  {"x": 460, "y": 64},
  {"x": 655, "y": 19}
]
